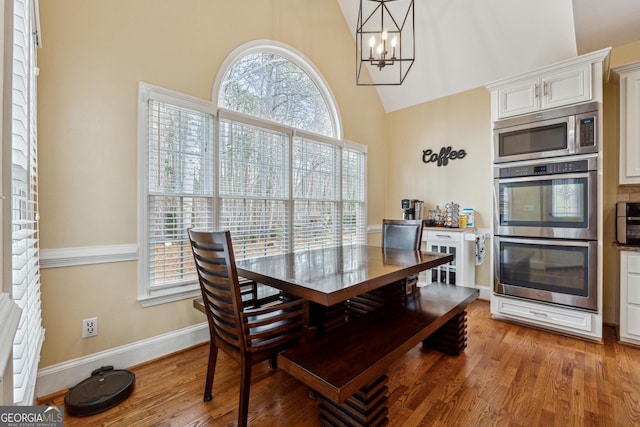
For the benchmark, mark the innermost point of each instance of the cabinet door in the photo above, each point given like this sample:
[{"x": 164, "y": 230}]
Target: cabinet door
[
  {"x": 446, "y": 273},
  {"x": 567, "y": 86},
  {"x": 518, "y": 98},
  {"x": 630, "y": 297},
  {"x": 630, "y": 129}
]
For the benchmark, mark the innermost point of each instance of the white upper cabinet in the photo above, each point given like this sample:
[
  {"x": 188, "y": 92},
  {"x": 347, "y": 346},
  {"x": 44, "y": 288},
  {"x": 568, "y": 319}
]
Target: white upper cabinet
[
  {"x": 629, "y": 122},
  {"x": 518, "y": 98},
  {"x": 572, "y": 81},
  {"x": 567, "y": 86}
]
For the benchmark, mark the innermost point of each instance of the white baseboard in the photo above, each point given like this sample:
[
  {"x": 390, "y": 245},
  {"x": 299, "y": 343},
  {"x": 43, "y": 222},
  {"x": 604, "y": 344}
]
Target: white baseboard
[{"x": 67, "y": 374}]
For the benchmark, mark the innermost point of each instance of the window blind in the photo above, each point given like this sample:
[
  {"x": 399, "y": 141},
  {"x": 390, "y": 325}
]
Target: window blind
[
  {"x": 316, "y": 175},
  {"x": 180, "y": 190},
  {"x": 254, "y": 188},
  {"x": 24, "y": 203},
  {"x": 277, "y": 188},
  {"x": 354, "y": 196}
]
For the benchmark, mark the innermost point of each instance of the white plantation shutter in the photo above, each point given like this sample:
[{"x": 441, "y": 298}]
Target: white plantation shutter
[
  {"x": 276, "y": 187},
  {"x": 354, "y": 196},
  {"x": 254, "y": 188},
  {"x": 316, "y": 193},
  {"x": 24, "y": 203},
  {"x": 180, "y": 190}
]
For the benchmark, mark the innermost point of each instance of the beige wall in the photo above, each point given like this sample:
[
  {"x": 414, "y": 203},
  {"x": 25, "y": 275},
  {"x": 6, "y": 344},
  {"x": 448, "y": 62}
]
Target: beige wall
[
  {"x": 462, "y": 121},
  {"x": 94, "y": 54}
]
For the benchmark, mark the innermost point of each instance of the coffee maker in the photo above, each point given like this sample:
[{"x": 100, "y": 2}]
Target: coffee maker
[{"x": 412, "y": 209}]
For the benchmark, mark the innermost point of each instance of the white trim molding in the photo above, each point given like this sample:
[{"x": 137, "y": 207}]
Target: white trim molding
[
  {"x": 62, "y": 376},
  {"x": 9, "y": 319},
  {"x": 68, "y": 257},
  {"x": 377, "y": 228}
]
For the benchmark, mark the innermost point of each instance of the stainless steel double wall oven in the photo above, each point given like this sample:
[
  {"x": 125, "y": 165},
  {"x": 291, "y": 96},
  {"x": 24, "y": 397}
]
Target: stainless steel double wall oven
[{"x": 545, "y": 207}]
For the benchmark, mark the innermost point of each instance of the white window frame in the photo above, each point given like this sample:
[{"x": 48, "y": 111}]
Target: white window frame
[
  {"x": 20, "y": 214},
  {"x": 293, "y": 55},
  {"x": 147, "y": 92}
]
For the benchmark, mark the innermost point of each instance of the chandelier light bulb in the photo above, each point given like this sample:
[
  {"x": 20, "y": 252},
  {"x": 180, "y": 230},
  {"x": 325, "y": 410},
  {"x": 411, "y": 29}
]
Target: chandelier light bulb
[{"x": 372, "y": 43}]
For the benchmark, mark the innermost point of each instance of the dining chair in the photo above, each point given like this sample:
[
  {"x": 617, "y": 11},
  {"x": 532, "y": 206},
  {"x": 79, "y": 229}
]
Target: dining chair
[
  {"x": 396, "y": 234},
  {"x": 247, "y": 335},
  {"x": 402, "y": 233}
]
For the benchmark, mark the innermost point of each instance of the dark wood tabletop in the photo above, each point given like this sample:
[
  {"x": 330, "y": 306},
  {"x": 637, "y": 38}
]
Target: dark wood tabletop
[{"x": 331, "y": 275}]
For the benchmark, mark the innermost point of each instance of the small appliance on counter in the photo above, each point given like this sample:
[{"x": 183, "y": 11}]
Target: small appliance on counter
[
  {"x": 412, "y": 209},
  {"x": 628, "y": 223}
]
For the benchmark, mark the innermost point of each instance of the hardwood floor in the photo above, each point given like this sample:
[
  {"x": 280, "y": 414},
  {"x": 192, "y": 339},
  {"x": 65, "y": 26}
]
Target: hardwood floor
[{"x": 509, "y": 375}]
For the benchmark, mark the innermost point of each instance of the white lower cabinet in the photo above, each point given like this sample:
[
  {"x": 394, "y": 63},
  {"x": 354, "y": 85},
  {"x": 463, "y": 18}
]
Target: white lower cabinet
[
  {"x": 461, "y": 244},
  {"x": 630, "y": 297},
  {"x": 571, "y": 321}
]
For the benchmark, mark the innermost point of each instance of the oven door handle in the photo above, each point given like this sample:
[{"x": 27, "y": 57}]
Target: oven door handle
[
  {"x": 550, "y": 242},
  {"x": 534, "y": 178}
]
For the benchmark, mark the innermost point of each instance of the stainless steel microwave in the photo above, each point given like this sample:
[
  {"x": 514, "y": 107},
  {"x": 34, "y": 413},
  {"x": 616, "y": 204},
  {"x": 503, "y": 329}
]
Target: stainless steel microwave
[
  {"x": 628, "y": 223},
  {"x": 552, "y": 133}
]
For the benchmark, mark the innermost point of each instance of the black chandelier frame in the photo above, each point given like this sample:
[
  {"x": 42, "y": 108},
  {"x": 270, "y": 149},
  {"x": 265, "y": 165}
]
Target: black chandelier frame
[{"x": 377, "y": 59}]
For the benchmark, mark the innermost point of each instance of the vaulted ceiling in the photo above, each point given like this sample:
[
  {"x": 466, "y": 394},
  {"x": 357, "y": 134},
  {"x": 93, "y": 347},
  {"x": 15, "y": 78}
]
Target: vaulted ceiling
[{"x": 464, "y": 44}]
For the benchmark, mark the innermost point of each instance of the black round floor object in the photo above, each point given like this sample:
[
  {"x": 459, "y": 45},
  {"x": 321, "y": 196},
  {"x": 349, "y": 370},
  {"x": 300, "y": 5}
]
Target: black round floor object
[{"x": 103, "y": 390}]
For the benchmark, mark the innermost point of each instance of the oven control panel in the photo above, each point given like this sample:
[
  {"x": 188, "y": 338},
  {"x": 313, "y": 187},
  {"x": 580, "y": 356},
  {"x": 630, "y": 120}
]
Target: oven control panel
[
  {"x": 544, "y": 169},
  {"x": 587, "y": 132}
]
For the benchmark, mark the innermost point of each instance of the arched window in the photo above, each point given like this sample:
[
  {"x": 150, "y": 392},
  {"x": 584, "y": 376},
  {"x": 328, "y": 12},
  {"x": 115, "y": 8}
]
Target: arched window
[
  {"x": 267, "y": 164},
  {"x": 271, "y": 81}
]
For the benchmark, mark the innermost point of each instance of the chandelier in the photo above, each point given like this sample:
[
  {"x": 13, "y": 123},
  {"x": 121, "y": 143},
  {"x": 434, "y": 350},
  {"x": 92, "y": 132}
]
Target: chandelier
[{"x": 385, "y": 41}]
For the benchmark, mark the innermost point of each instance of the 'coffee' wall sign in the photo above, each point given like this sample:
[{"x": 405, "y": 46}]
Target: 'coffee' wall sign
[{"x": 442, "y": 158}]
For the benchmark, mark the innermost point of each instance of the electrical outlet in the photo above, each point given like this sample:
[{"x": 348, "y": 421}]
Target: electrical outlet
[{"x": 90, "y": 327}]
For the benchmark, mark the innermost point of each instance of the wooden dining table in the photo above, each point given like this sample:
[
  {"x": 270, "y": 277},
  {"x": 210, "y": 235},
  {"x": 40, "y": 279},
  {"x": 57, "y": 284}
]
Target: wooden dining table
[
  {"x": 346, "y": 361},
  {"x": 328, "y": 276}
]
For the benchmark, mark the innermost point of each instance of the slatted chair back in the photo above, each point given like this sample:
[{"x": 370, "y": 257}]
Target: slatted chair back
[
  {"x": 246, "y": 334},
  {"x": 220, "y": 287}
]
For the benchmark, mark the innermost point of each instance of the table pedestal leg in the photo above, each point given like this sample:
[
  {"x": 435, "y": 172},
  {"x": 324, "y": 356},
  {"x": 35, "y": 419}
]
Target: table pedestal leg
[
  {"x": 367, "y": 407},
  {"x": 451, "y": 338}
]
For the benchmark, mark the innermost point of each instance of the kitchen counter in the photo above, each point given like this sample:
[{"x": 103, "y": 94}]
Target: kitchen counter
[
  {"x": 455, "y": 230},
  {"x": 621, "y": 247}
]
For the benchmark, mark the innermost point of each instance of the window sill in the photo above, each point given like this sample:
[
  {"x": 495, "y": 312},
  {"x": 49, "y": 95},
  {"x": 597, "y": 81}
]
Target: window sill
[{"x": 170, "y": 295}]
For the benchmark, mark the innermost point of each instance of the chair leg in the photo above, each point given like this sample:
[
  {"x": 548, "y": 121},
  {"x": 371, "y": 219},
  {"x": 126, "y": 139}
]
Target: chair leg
[
  {"x": 211, "y": 369},
  {"x": 273, "y": 363},
  {"x": 245, "y": 382}
]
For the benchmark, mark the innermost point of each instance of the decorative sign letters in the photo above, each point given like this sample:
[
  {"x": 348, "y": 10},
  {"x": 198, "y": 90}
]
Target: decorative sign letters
[{"x": 442, "y": 158}]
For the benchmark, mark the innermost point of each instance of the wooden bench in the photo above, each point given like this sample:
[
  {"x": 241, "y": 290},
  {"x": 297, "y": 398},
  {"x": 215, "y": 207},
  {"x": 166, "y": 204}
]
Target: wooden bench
[{"x": 347, "y": 367}]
